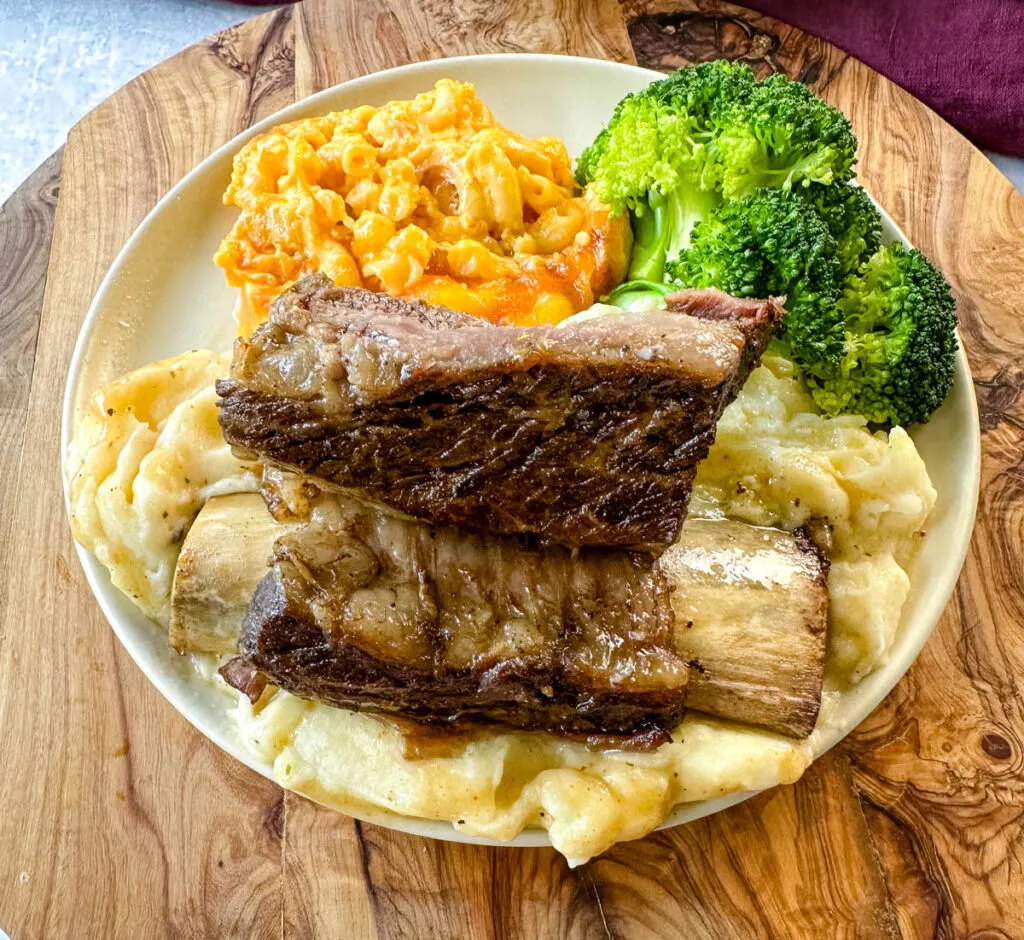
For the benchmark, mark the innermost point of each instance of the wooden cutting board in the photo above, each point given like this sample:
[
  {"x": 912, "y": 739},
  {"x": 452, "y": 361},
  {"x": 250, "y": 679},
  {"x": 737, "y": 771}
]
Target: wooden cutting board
[{"x": 120, "y": 820}]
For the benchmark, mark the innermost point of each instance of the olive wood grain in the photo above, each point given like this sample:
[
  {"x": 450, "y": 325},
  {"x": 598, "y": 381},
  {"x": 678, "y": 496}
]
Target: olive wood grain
[
  {"x": 119, "y": 820},
  {"x": 26, "y": 230}
]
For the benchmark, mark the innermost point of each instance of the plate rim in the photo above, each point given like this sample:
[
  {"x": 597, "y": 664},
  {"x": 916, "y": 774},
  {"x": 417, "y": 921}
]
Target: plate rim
[{"x": 886, "y": 676}]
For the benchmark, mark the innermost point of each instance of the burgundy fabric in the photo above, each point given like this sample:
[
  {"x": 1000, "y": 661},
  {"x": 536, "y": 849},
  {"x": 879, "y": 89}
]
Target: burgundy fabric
[{"x": 964, "y": 58}]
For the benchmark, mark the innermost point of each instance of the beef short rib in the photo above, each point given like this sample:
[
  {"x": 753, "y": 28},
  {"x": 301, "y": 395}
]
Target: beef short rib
[
  {"x": 367, "y": 611},
  {"x": 586, "y": 434}
]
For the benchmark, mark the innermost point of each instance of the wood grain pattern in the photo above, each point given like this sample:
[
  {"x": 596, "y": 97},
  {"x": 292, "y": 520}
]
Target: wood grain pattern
[
  {"x": 26, "y": 229},
  {"x": 794, "y": 862},
  {"x": 379, "y": 34},
  {"x": 393, "y": 885},
  {"x": 120, "y": 820},
  {"x": 128, "y": 823}
]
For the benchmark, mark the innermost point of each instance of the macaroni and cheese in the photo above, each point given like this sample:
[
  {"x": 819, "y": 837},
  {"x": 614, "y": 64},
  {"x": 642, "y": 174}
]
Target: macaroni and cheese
[{"x": 429, "y": 198}]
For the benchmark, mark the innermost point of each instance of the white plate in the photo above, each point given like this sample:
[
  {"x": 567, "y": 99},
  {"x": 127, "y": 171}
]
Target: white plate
[{"x": 163, "y": 295}]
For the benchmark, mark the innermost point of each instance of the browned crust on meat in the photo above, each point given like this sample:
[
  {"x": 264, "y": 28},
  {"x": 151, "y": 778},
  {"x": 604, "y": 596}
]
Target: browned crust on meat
[{"x": 592, "y": 445}]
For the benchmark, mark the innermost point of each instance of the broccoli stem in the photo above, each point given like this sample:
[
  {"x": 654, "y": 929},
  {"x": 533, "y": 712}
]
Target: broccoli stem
[
  {"x": 629, "y": 292},
  {"x": 662, "y": 227},
  {"x": 647, "y": 263}
]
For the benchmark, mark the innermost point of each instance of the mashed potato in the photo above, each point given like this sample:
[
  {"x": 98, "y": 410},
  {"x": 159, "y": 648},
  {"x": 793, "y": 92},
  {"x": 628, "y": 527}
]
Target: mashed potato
[
  {"x": 777, "y": 462},
  {"x": 146, "y": 455},
  {"x": 429, "y": 198},
  {"x": 139, "y": 476},
  {"x": 500, "y": 784}
]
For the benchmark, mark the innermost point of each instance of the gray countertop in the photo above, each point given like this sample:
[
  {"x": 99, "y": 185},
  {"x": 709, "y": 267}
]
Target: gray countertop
[{"x": 60, "y": 58}]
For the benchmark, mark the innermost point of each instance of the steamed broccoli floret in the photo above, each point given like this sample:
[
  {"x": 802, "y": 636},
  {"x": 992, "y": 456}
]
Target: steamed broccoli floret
[
  {"x": 771, "y": 243},
  {"x": 658, "y": 158},
  {"x": 900, "y": 341},
  {"x": 661, "y": 133},
  {"x": 853, "y": 220},
  {"x": 674, "y": 151},
  {"x": 785, "y": 135}
]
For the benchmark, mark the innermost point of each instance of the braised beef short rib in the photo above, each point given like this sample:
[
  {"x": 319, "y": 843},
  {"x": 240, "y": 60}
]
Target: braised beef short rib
[
  {"x": 585, "y": 434},
  {"x": 367, "y": 611}
]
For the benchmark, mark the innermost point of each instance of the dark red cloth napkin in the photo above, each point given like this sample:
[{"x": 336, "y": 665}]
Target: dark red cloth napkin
[{"x": 964, "y": 59}]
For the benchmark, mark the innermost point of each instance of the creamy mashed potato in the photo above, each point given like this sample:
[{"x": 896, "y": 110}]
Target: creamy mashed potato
[
  {"x": 777, "y": 462},
  {"x": 506, "y": 781},
  {"x": 138, "y": 477},
  {"x": 146, "y": 455}
]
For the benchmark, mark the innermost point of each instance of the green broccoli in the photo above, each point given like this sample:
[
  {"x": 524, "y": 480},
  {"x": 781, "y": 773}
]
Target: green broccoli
[
  {"x": 852, "y": 218},
  {"x": 785, "y": 136},
  {"x": 743, "y": 185},
  {"x": 639, "y": 295},
  {"x": 900, "y": 342},
  {"x": 774, "y": 242},
  {"x": 674, "y": 151}
]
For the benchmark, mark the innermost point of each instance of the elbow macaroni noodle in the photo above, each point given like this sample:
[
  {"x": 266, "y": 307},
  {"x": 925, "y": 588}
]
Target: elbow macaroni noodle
[{"x": 429, "y": 198}]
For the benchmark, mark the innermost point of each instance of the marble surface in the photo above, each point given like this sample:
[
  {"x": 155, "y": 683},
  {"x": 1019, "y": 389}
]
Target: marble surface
[{"x": 60, "y": 58}]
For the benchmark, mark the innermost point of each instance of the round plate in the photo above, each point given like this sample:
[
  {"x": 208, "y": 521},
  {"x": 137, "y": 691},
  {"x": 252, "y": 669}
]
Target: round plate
[{"x": 163, "y": 295}]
